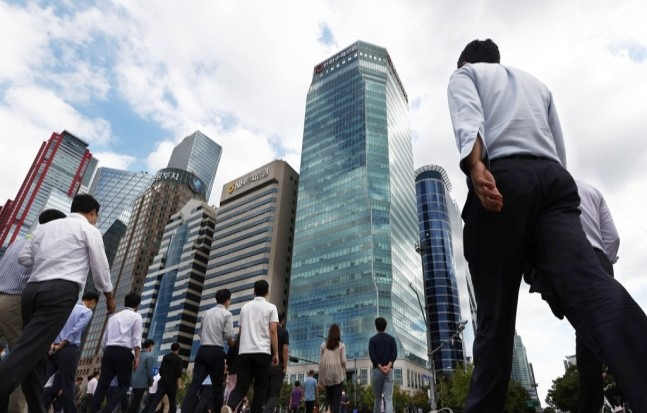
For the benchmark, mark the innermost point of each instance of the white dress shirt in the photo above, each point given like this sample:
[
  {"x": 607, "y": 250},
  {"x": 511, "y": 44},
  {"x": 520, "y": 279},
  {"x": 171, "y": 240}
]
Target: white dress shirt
[
  {"x": 512, "y": 111},
  {"x": 66, "y": 249},
  {"x": 597, "y": 221},
  {"x": 255, "y": 319},
  {"x": 124, "y": 330},
  {"x": 217, "y": 326},
  {"x": 92, "y": 386}
]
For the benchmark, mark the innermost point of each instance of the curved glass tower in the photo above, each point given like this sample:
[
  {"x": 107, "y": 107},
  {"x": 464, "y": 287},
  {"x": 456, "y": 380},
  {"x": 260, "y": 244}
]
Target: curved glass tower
[{"x": 354, "y": 248}]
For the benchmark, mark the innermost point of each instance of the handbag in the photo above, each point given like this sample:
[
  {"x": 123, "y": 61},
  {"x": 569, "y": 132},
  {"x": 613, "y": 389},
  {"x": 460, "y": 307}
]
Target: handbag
[{"x": 331, "y": 371}]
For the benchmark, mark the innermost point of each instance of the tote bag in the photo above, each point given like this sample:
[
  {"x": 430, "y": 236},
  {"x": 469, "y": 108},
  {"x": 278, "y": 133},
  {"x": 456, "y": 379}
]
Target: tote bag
[{"x": 331, "y": 371}]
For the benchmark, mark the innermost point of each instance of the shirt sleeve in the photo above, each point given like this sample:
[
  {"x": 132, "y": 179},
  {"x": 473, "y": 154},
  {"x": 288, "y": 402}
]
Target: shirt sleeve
[
  {"x": 149, "y": 369},
  {"x": 26, "y": 257},
  {"x": 371, "y": 351},
  {"x": 136, "y": 339},
  {"x": 98, "y": 261},
  {"x": 609, "y": 233},
  {"x": 78, "y": 327},
  {"x": 229, "y": 327},
  {"x": 466, "y": 111},
  {"x": 556, "y": 130},
  {"x": 394, "y": 351},
  {"x": 274, "y": 317}
]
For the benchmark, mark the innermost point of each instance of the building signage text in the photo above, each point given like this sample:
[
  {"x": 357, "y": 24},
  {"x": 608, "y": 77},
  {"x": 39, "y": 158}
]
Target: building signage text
[
  {"x": 321, "y": 66},
  {"x": 253, "y": 177}
]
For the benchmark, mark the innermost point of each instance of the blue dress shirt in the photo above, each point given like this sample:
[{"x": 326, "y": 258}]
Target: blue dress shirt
[{"x": 75, "y": 324}]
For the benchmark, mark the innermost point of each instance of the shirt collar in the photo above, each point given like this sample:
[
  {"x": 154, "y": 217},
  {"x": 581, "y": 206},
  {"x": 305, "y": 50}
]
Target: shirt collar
[{"x": 259, "y": 298}]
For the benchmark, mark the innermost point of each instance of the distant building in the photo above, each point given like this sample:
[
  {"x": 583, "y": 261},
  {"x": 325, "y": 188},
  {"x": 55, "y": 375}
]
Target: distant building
[
  {"x": 448, "y": 288},
  {"x": 200, "y": 155},
  {"x": 253, "y": 238},
  {"x": 521, "y": 372},
  {"x": 356, "y": 225},
  {"x": 173, "y": 285},
  {"x": 62, "y": 163}
]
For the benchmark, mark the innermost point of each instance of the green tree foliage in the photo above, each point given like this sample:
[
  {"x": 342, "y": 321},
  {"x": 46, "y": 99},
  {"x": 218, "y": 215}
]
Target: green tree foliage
[
  {"x": 517, "y": 398},
  {"x": 564, "y": 392},
  {"x": 549, "y": 410}
]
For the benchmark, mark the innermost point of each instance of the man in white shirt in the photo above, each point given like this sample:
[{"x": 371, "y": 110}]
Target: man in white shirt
[
  {"x": 522, "y": 209},
  {"x": 217, "y": 328},
  {"x": 89, "y": 392},
  {"x": 123, "y": 335},
  {"x": 60, "y": 255},
  {"x": 258, "y": 341}
]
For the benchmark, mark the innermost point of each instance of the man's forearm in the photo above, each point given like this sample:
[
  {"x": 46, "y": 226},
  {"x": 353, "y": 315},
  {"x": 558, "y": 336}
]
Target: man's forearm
[{"x": 476, "y": 156}]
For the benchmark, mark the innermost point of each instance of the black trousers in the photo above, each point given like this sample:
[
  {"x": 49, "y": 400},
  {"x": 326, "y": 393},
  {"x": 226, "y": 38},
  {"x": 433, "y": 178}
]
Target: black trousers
[
  {"x": 209, "y": 361},
  {"x": 170, "y": 392},
  {"x": 251, "y": 367},
  {"x": 275, "y": 380},
  {"x": 46, "y": 306},
  {"x": 64, "y": 362},
  {"x": 136, "y": 400},
  {"x": 116, "y": 361},
  {"x": 540, "y": 226},
  {"x": 333, "y": 397}
]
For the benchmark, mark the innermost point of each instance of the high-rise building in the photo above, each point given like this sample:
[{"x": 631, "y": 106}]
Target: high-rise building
[
  {"x": 520, "y": 368},
  {"x": 448, "y": 298},
  {"x": 253, "y": 238},
  {"x": 173, "y": 286},
  {"x": 356, "y": 226},
  {"x": 62, "y": 162},
  {"x": 170, "y": 190},
  {"x": 198, "y": 154}
]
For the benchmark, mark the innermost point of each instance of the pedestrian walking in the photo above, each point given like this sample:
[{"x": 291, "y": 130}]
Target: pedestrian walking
[
  {"x": 90, "y": 388},
  {"x": 217, "y": 329},
  {"x": 258, "y": 341},
  {"x": 311, "y": 391},
  {"x": 171, "y": 375},
  {"x": 13, "y": 280},
  {"x": 277, "y": 373},
  {"x": 332, "y": 367},
  {"x": 60, "y": 255},
  {"x": 383, "y": 352},
  {"x": 231, "y": 363},
  {"x": 142, "y": 377},
  {"x": 64, "y": 353},
  {"x": 522, "y": 209},
  {"x": 296, "y": 396},
  {"x": 123, "y": 335}
]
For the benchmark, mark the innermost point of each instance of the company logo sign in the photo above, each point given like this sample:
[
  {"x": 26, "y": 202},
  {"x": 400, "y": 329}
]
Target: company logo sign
[
  {"x": 251, "y": 178},
  {"x": 321, "y": 66}
]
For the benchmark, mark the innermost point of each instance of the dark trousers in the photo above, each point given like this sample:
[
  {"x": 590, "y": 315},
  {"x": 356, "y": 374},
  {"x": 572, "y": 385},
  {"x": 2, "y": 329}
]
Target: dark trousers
[
  {"x": 209, "y": 361},
  {"x": 206, "y": 400},
  {"x": 45, "y": 308},
  {"x": 164, "y": 389},
  {"x": 136, "y": 400},
  {"x": 589, "y": 367},
  {"x": 333, "y": 397},
  {"x": 116, "y": 361},
  {"x": 540, "y": 226},
  {"x": 251, "y": 367},
  {"x": 63, "y": 362},
  {"x": 310, "y": 406},
  {"x": 275, "y": 377}
]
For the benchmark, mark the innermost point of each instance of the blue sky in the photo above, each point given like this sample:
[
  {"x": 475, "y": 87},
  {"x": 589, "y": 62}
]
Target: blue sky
[{"x": 133, "y": 78}]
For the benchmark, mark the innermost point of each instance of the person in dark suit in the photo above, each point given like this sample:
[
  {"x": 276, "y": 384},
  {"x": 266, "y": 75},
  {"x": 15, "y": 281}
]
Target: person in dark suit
[{"x": 171, "y": 374}]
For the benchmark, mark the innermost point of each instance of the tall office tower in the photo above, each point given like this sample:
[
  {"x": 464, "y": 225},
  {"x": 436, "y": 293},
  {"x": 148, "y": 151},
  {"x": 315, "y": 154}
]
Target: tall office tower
[
  {"x": 198, "y": 154},
  {"x": 173, "y": 286},
  {"x": 520, "y": 368},
  {"x": 444, "y": 270},
  {"x": 61, "y": 163},
  {"x": 356, "y": 227},
  {"x": 170, "y": 190},
  {"x": 253, "y": 238}
]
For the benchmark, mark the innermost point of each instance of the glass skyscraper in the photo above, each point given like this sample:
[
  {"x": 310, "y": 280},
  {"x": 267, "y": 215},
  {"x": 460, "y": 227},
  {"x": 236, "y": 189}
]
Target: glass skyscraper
[
  {"x": 356, "y": 225},
  {"x": 444, "y": 270},
  {"x": 198, "y": 154}
]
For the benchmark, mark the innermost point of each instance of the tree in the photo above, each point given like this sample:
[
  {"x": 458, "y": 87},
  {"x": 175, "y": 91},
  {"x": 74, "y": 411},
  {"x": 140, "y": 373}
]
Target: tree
[
  {"x": 549, "y": 410},
  {"x": 564, "y": 392},
  {"x": 517, "y": 398}
]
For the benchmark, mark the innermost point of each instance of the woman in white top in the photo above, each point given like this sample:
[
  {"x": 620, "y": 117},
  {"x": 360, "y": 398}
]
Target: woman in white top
[{"x": 332, "y": 367}]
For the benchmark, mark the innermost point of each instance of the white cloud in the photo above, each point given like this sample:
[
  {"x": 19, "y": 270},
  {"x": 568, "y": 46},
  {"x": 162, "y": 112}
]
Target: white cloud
[
  {"x": 158, "y": 159},
  {"x": 114, "y": 160}
]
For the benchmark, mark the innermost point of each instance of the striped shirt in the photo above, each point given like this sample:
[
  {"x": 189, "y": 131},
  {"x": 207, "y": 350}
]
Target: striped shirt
[{"x": 13, "y": 276}]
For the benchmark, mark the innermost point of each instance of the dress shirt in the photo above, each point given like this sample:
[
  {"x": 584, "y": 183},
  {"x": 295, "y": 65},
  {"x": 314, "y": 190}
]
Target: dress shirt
[
  {"x": 92, "y": 386},
  {"x": 75, "y": 324},
  {"x": 217, "y": 326},
  {"x": 13, "y": 276},
  {"x": 143, "y": 375},
  {"x": 255, "y": 319},
  {"x": 310, "y": 387},
  {"x": 597, "y": 221},
  {"x": 65, "y": 249},
  {"x": 124, "y": 330},
  {"x": 512, "y": 111}
]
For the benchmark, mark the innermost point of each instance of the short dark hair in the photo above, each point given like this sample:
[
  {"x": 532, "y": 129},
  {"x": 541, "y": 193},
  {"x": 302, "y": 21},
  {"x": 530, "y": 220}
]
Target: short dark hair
[
  {"x": 90, "y": 295},
  {"x": 147, "y": 343},
  {"x": 380, "y": 324},
  {"x": 50, "y": 215},
  {"x": 261, "y": 287},
  {"x": 222, "y": 296},
  {"x": 480, "y": 51},
  {"x": 79, "y": 378},
  {"x": 297, "y": 383},
  {"x": 175, "y": 346},
  {"x": 84, "y": 203},
  {"x": 132, "y": 299}
]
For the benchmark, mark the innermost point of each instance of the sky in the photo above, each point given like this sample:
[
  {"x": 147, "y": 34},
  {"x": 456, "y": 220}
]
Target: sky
[{"x": 133, "y": 78}]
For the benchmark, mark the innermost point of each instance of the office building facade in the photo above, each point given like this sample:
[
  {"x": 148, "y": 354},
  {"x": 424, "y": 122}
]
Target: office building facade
[
  {"x": 169, "y": 191},
  {"x": 444, "y": 270},
  {"x": 198, "y": 154},
  {"x": 173, "y": 285},
  {"x": 356, "y": 226},
  {"x": 62, "y": 162},
  {"x": 253, "y": 238}
]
